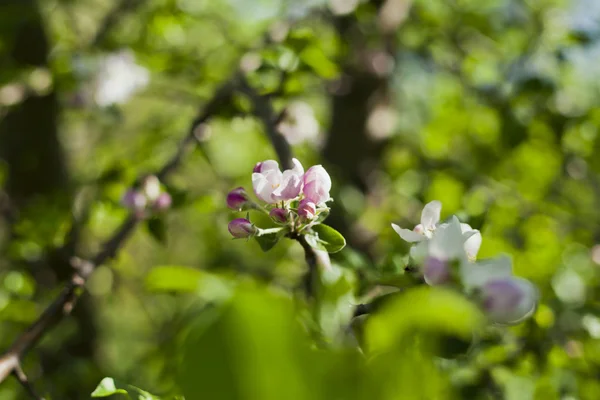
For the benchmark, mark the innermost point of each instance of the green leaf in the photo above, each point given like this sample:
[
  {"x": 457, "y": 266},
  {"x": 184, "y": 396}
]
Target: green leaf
[
  {"x": 158, "y": 229},
  {"x": 428, "y": 311},
  {"x": 267, "y": 241},
  {"x": 173, "y": 278},
  {"x": 326, "y": 238},
  {"x": 250, "y": 348},
  {"x": 316, "y": 58},
  {"x": 108, "y": 387}
]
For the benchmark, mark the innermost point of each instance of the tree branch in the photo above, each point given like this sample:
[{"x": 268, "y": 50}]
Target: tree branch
[
  {"x": 22, "y": 378},
  {"x": 112, "y": 18},
  {"x": 263, "y": 110},
  {"x": 311, "y": 275},
  {"x": 64, "y": 303}
]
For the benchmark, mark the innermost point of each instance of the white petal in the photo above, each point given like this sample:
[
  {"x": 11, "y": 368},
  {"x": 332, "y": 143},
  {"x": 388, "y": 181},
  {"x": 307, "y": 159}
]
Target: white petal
[
  {"x": 298, "y": 168},
  {"x": 260, "y": 186},
  {"x": 431, "y": 214},
  {"x": 473, "y": 243},
  {"x": 419, "y": 252},
  {"x": 269, "y": 165},
  {"x": 317, "y": 172},
  {"x": 265, "y": 183},
  {"x": 448, "y": 243},
  {"x": 465, "y": 227},
  {"x": 290, "y": 186},
  {"x": 474, "y": 275},
  {"x": 408, "y": 235}
]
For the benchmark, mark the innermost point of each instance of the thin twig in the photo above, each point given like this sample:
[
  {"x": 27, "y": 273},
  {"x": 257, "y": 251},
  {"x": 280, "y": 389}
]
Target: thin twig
[
  {"x": 309, "y": 280},
  {"x": 24, "y": 381},
  {"x": 263, "y": 109},
  {"x": 64, "y": 303},
  {"x": 362, "y": 309},
  {"x": 112, "y": 18}
]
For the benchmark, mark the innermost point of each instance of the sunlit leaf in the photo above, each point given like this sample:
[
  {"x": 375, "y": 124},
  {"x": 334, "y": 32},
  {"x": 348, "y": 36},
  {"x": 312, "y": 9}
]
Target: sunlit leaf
[
  {"x": 173, "y": 278},
  {"x": 108, "y": 387},
  {"x": 324, "y": 237}
]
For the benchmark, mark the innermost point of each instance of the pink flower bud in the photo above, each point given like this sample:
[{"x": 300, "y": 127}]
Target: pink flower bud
[
  {"x": 237, "y": 199},
  {"x": 279, "y": 215},
  {"x": 134, "y": 200},
  {"x": 435, "y": 271},
  {"x": 307, "y": 209},
  {"x": 317, "y": 184},
  {"x": 241, "y": 228},
  {"x": 151, "y": 187},
  {"x": 257, "y": 167},
  {"x": 163, "y": 202}
]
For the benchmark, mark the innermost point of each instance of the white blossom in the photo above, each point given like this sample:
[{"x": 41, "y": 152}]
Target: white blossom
[{"x": 118, "y": 78}]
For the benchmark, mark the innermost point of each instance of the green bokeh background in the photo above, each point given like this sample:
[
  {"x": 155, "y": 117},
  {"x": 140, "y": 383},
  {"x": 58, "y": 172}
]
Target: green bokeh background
[{"x": 490, "y": 107}]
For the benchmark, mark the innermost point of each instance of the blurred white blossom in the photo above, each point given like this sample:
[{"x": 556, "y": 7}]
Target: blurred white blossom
[
  {"x": 299, "y": 124},
  {"x": 118, "y": 78},
  {"x": 446, "y": 254}
]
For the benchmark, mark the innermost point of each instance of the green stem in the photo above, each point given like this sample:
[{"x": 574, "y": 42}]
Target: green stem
[
  {"x": 268, "y": 231},
  {"x": 256, "y": 207}
]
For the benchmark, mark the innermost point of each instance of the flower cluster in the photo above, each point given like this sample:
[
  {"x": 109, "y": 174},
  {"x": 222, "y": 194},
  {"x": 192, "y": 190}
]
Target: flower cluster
[
  {"x": 294, "y": 198},
  {"x": 446, "y": 253},
  {"x": 148, "y": 197}
]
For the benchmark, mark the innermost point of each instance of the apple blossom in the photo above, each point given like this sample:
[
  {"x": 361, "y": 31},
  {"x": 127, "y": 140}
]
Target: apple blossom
[
  {"x": 317, "y": 184},
  {"x": 241, "y": 228},
  {"x": 439, "y": 247},
  {"x": 294, "y": 199},
  {"x": 271, "y": 185},
  {"x": 430, "y": 216},
  {"x": 299, "y": 123},
  {"x": 151, "y": 188},
  {"x": 134, "y": 200},
  {"x": 473, "y": 243},
  {"x": 118, "y": 78}
]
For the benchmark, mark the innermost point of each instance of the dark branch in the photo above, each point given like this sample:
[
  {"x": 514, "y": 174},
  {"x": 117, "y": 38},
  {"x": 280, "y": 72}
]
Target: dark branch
[
  {"x": 112, "y": 18},
  {"x": 362, "y": 309},
  {"x": 309, "y": 280},
  {"x": 22, "y": 378},
  {"x": 64, "y": 303},
  {"x": 263, "y": 109}
]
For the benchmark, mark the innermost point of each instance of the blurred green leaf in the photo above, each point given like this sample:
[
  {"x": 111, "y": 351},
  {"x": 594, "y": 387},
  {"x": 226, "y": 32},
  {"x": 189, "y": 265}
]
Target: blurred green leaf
[
  {"x": 315, "y": 58},
  {"x": 250, "y": 348},
  {"x": 425, "y": 310},
  {"x": 173, "y": 278}
]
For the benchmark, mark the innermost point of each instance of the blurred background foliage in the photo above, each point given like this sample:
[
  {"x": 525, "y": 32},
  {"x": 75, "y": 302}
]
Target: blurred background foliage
[{"x": 491, "y": 107}]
